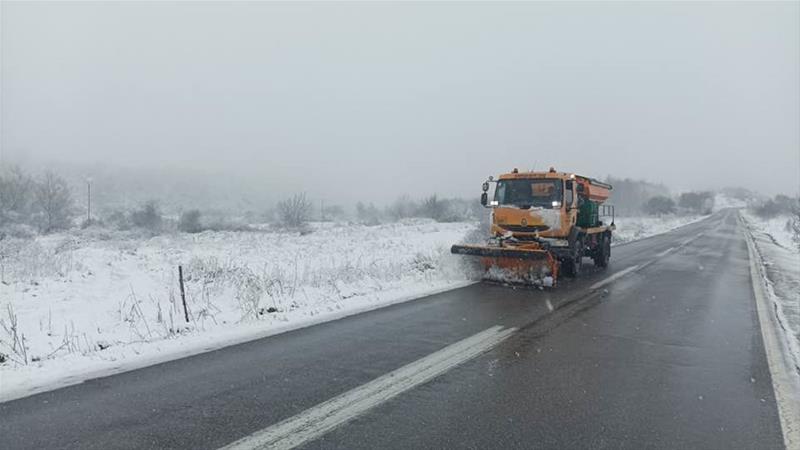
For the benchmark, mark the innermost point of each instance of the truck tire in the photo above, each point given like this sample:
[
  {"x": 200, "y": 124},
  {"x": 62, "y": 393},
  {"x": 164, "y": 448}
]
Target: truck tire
[
  {"x": 573, "y": 265},
  {"x": 603, "y": 252}
]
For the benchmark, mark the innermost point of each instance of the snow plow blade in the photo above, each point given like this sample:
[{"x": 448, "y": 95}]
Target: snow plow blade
[
  {"x": 515, "y": 265},
  {"x": 498, "y": 252}
]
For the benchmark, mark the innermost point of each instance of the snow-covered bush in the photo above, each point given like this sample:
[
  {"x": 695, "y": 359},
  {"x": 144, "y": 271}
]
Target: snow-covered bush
[
  {"x": 403, "y": 208},
  {"x": 23, "y": 260},
  {"x": 461, "y": 210},
  {"x": 148, "y": 217},
  {"x": 190, "y": 222},
  {"x": 659, "y": 205},
  {"x": 295, "y": 212},
  {"x": 368, "y": 214},
  {"x": 17, "y": 230},
  {"x": 118, "y": 219},
  {"x": 697, "y": 202},
  {"x": 779, "y": 205},
  {"x": 431, "y": 207},
  {"x": 793, "y": 226},
  {"x": 334, "y": 213}
]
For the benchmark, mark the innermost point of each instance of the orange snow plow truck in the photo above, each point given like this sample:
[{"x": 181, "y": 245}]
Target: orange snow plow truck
[{"x": 543, "y": 224}]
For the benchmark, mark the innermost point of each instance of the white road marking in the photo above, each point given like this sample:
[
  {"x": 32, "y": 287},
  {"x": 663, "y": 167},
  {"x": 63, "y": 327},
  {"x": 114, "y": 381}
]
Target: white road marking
[
  {"x": 785, "y": 382},
  {"x": 659, "y": 255},
  {"x": 617, "y": 275},
  {"x": 690, "y": 240},
  {"x": 318, "y": 420},
  {"x": 549, "y": 305}
]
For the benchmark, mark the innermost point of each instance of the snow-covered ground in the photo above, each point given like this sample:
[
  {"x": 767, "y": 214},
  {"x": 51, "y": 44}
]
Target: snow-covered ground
[
  {"x": 633, "y": 228},
  {"x": 779, "y": 249},
  {"x": 81, "y": 304},
  {"x": 84, "y": 301}
]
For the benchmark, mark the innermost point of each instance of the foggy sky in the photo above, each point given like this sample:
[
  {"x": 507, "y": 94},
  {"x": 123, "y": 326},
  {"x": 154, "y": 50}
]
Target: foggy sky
[{"x": 356, "y": 101}]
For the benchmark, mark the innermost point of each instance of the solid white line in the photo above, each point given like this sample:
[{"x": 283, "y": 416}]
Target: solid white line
[
  {"x": 617, "y": 275},
  {"x": 785, "y": 382},
  {"x": 318, "y": 420},
  {"x": 659, "y": 255}
]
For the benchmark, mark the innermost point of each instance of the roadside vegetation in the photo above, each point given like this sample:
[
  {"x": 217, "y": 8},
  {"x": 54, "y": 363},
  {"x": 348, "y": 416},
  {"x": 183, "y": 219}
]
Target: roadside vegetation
[
  {"x": 783, "y": 209},
  {"x": 40, "y": 205}
]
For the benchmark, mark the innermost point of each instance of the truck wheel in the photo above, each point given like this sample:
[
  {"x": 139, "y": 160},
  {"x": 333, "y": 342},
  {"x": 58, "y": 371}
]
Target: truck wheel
[
  {"x": 603, "y": 253},
  {"x": 572, "y": 266}
]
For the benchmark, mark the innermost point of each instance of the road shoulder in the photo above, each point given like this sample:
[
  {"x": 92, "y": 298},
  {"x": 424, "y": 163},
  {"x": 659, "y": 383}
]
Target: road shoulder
[{"x": 783, "y": 369}]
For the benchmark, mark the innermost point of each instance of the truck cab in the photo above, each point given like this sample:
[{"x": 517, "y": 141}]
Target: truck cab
[{"x": 545, "y": 204}]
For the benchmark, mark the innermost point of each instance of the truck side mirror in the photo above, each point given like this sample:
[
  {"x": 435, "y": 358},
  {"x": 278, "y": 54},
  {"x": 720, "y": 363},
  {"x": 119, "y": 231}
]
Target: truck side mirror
[{"x": 484, "y": 199}]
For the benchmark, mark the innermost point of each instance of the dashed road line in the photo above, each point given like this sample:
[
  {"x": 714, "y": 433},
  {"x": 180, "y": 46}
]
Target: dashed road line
[
  {"x": 665, "y": 252},
  {"x": 318, "y": 420},
  {"x": 616, "y": 276}
]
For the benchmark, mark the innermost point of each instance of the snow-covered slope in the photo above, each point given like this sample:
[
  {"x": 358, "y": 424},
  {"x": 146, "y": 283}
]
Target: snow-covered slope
[
  {"x": 779, "y": 249},
  {"x": 633, "y": 228}
]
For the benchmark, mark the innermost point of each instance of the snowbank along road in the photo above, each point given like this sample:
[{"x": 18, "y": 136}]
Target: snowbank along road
[{"x": 662, "y": 350}]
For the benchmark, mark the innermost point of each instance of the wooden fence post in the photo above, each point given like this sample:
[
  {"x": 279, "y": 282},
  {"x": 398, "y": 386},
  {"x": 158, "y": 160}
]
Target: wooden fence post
[{"x": 183, "y": 294}]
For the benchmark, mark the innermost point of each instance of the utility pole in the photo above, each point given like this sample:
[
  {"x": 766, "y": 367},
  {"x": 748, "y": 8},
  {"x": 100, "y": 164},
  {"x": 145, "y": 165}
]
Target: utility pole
[{"x": 88, "y": 201}]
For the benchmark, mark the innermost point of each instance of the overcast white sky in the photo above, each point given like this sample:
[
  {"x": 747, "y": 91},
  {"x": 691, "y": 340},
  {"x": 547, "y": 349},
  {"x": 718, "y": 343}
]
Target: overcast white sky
[{"x": 367, "y": 101}]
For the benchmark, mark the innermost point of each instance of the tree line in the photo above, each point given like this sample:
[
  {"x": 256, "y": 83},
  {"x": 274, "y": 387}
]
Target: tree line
[{"x": 46, "y": 203}]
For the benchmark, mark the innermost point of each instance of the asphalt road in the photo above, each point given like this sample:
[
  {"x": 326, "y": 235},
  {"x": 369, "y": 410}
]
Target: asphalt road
[{"x": 669, "y": 355}]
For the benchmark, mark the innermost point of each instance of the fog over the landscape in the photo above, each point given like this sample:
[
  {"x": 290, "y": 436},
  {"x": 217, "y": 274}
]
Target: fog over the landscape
[{"x": 357, "y": 101}]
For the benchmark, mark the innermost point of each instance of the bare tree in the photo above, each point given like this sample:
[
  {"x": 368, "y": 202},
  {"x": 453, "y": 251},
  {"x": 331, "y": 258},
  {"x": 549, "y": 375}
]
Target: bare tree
[
  {"x": 54, "y": 203},
  {"x": 294, "y": 212},
  {"x": 16, "y": 192}
]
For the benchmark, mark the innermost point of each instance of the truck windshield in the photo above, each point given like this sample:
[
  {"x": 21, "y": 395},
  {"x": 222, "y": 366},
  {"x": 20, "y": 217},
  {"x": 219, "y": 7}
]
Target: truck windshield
[{"x": 529, "y": 193}]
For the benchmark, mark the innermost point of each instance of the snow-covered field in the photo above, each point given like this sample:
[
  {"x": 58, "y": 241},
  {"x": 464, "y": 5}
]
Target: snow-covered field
[
  {"x": 779, "y": 248},
  {"x": 81, "y": 301},
  {"x": 87, "y": 303},
  {"x": 633, "y": 228}
]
